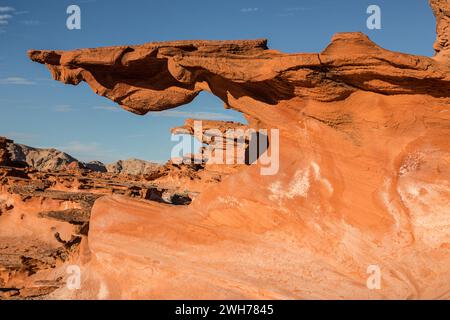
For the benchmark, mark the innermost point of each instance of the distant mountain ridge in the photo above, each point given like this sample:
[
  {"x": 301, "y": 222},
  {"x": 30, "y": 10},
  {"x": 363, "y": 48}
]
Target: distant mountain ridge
[
  {"x": 40, "y": 159},
  {"x": 52, "y": 159}
]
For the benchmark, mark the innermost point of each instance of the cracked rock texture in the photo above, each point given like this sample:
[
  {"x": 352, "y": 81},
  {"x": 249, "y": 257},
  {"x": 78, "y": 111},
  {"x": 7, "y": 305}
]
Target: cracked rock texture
[{"x": 363, "y": 179}]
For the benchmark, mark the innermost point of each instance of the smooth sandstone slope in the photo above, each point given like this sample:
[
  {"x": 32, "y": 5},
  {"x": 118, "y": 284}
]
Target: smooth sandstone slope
[{"x": 364, "y": 175}]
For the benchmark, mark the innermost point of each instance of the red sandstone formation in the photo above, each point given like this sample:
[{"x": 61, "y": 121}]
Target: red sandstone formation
[
  {"x": 441, "y": 9},
  {"x": 44, "y": 217},
  {"x": 364, "y": 175}
]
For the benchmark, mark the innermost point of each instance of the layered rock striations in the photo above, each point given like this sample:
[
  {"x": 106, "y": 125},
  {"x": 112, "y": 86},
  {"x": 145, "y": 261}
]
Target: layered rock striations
[
  {"x": 363, "y": 175},
  {"x": 177, "y": 71}
]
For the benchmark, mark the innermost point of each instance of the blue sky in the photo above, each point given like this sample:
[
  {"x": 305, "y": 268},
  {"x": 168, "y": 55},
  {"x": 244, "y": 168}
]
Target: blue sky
[{"x": 40, "y": 112}]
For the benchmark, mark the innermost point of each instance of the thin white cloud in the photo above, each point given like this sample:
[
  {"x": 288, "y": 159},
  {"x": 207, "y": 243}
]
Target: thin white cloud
[
  {"x": 293, "y": 9},
  {"x": 106, "y": 108},
  {"x": 7, "y": 9},
  {"x": 17, "y": 13},
  {"x": 138, "y": 135},
  {"x": 247, "y": 10},
  {"x": 195, "y": 115},
  {"x": 16, "y": 81},
  {"x": 176, "y": 113},
  {"x": 63, "y": 108},
  {"x": 87, "y": 151},
  {"x": 77, "y": 146},
  {"x": 21, "y": 137},
  {"x": 30, "y": 22},
  {"x": 4, "y": 18},
  {"x": 289, "y": 12}
]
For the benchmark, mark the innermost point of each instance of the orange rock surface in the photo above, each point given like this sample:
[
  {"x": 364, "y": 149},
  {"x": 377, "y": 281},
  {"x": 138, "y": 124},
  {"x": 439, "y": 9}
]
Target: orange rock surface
[
  {"x": 45, "y": 212},
  {"x": 364, "y": 176}
]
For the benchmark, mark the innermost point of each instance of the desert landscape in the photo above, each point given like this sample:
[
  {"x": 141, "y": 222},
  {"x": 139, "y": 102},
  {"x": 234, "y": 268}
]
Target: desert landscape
[{"x": 362, "y": 178}]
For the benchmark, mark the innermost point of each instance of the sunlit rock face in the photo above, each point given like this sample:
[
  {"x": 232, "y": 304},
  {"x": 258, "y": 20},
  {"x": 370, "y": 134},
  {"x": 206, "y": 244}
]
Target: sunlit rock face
[{"x": 363, "y": 177}]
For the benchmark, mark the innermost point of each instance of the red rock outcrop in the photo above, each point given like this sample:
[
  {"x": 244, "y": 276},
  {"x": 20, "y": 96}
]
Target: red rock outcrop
[
  {"x": 363, "y": 176},
  {"x": 44, "y": 218},
  {"x": 441, "y": 9},
  {"x": 216, "y": 137}
]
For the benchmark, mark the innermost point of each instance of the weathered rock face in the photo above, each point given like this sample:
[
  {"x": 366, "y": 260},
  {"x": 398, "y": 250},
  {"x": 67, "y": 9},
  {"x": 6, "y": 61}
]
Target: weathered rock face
[
  {"x": 96, "y": 166},
  {"x": 363, "y": 175},
  {"x": 237, "y": 70},
  {"x": 40, "y": 159},
  {"x": 132, "y": 166},
  {"x": 5, "y": 156},
  {"x": 441, "y": 9}
]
